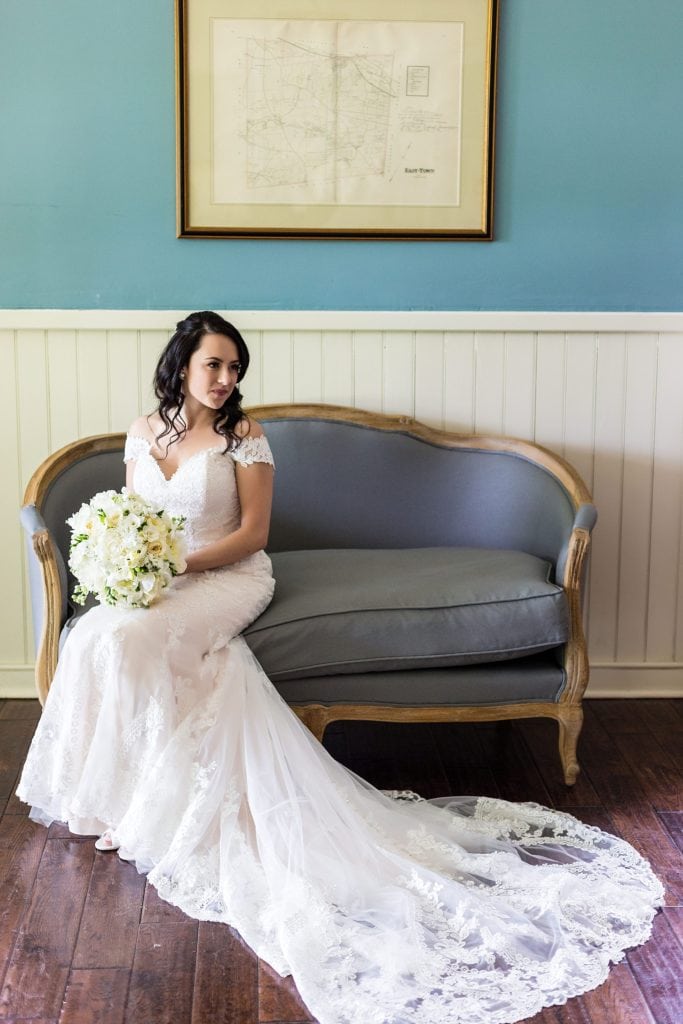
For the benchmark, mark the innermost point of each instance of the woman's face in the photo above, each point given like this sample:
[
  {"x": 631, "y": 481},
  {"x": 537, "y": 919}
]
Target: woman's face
[{"x": 211, "y": 374}]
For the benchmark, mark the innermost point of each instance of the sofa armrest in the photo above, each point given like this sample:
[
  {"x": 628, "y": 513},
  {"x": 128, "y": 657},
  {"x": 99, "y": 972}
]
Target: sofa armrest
[
  {"x": 48, "y": 588},
  {"x": 585, "y": 519}
]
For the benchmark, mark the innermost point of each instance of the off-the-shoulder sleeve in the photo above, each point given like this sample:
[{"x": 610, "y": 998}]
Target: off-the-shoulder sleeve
[
  {"x": 135, "y": 447},
  {"x": 253, "y": 449}
]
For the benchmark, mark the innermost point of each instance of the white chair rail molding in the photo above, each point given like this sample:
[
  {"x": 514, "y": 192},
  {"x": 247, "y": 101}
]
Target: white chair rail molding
[{"x": 600, "y": 389}]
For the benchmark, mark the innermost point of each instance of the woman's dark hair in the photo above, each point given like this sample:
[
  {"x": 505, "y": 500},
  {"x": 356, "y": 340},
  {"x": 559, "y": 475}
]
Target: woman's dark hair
[{"x": 173, "y": 361}]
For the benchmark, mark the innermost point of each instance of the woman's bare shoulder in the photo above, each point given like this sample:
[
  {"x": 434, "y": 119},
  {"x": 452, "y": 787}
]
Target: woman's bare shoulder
[
  {"x": 147, "y": 427},
  {"x": 248, "y": 427}
]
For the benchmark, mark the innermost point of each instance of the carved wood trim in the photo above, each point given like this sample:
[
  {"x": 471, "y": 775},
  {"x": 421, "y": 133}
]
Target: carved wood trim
[
  {"x": 569, "y": 718},
  {"x": 548, "y": 460},
  {"x": 575, "y": 655},
  {"x": 48, "y": 649}
]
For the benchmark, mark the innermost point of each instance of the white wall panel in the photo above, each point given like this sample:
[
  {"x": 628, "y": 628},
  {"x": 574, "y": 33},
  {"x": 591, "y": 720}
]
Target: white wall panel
[
  {"x": 93, "y": 383},
  {"x": 550, "y": 391},
  {"x": 636, "y": 496},
  {"x": 429, "y": 378},
  {"x": 13, "y": 644},
  {"x": 579, "y": 402},
  {"x": 398, "y": 398},
  {"x": 489, "y": 382},
  {"x": 519, "y": 385},
  {"x": 610, "y": 383},
  {"x": 602, "y": 389},
  {"x": 459, "y": 381},
  {"x": 122, "y": 378},
  {"x": 151, "y": 344},
  {"x": 667, "y": 466},
  {"x": 277, "y": 367},
  {"x": 337, "y": 368},
  {"x": 307, "y": 368},
  {"x": 62, "y": 371},
  {"x": 367, "y": 370}
]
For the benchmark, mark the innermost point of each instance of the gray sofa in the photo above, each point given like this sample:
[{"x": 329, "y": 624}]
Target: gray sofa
[{"x": 421, "y": 575}]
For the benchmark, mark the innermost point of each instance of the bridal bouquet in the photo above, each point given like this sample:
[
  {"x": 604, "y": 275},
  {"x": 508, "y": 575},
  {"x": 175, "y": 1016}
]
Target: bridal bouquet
[{"x": 124, "y": 550}]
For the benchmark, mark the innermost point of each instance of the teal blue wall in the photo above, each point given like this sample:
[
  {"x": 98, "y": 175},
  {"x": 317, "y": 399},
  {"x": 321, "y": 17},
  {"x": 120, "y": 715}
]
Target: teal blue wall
[{"x": 589, "y": 201}]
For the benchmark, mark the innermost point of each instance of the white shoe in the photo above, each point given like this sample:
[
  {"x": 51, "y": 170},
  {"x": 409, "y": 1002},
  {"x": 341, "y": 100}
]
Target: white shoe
[{"x": 107, "y": 842}]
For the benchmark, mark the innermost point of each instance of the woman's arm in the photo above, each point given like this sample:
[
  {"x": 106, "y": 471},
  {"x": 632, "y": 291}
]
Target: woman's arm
[{"x": 255, "y": 491}]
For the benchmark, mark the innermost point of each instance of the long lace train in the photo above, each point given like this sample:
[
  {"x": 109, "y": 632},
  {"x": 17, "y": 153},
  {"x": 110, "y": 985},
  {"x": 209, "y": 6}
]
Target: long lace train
[{"x": 384, "y": 910}]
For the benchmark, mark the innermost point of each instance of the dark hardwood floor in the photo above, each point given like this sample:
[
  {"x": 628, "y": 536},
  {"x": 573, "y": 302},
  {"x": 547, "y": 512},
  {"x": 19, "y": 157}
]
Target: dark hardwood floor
[{"x": 84, "y": 939}]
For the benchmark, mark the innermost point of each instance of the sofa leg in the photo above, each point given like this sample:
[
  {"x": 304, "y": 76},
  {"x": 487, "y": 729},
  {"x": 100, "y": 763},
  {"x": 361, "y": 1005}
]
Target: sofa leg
[{"x": 570, "y": 722}]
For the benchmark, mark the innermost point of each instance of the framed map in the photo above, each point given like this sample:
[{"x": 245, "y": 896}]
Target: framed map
[{"x": 336, "y": 118}]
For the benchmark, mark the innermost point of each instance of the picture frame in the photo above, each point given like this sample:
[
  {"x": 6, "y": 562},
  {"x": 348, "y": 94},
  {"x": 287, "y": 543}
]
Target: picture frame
[{"x": 366, "y": 119}]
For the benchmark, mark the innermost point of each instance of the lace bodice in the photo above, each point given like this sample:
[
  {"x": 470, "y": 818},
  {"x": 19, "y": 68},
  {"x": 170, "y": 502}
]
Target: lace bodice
[{"x": 203, "y": 488}]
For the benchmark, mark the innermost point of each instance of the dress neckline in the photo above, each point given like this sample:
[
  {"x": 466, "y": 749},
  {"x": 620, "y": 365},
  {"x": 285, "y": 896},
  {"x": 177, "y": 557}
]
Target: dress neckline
[{"x": 190, "y": 458}]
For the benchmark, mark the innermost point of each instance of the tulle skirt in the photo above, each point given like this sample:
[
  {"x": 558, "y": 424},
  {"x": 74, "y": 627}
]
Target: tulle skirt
[{"x": 385, "y": 908}]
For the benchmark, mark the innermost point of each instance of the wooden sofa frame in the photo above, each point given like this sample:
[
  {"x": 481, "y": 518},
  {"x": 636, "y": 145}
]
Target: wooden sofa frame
[{"x": 567, "y": 711}]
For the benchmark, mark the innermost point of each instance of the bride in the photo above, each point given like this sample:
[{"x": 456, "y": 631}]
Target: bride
[{"x": 162, "y": 734}]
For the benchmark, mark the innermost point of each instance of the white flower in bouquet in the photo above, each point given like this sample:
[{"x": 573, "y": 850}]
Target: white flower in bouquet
[{"x": 124, "y": 550}]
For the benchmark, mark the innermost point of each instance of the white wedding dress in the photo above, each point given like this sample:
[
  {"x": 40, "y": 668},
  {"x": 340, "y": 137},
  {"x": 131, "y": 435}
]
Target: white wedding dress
[{"x": 386, "y": 909}]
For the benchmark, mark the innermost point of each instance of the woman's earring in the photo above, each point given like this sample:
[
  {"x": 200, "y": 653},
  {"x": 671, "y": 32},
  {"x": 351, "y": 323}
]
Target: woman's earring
[{"x": 182, "y": 376}]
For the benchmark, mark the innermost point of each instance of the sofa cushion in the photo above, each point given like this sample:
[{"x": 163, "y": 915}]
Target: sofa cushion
[{"x": 345, "y": 611}]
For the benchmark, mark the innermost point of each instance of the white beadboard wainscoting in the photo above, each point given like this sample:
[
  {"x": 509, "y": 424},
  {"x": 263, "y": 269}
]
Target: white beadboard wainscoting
[{"x": 602, "y": 389}]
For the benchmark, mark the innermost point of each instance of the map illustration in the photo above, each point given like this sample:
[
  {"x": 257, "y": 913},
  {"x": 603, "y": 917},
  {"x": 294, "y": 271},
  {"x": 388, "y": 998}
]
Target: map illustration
[
  {"x": 353, "y": 113},
  {"x": 315, "y": 116}
]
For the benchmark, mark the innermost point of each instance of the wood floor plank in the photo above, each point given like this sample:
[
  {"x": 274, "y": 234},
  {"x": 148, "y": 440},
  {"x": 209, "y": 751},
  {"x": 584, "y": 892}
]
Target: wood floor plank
[
  {"x": 15, "y": 806},
  {"x": 596, "y": 816},
  {"x": 95, "y": 997},
  {"x": 631, "y": 716},
  {"x": 460, "y": 744},
  {"x": 617, "y": 1001},
  {"x": 15, "y": 737},
  {"x": 517, "y": 776},
  {"x": 615, "y": 782},
  {"x": 111, "y": 915},
  {"x": 642, "y": 828},
  {"x": 21, "y": 846},
  {"x": 278, "y": 998},
  {"x": 673, "y": 823},
  {"x": 658, "y": 775},
  {"x": 30, "y": 1020},
  {"x": 226, "y": 978},
  {"x": 38, "y": 968},
  {"x": 674, "y": 917},
  {"x": 416, "y": 764},
  {"x": 20, "y": 710},
  {"x": 671, "y": 741},
  {"x": 475, "y": 781},
  {"x": 658, "y": 968},
  {"x": 156, "y": 911},
  {"x": 162, "y": 979}
]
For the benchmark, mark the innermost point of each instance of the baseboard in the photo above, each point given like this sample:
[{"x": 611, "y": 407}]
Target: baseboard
[
  {"x": 17, "y": 681},
  {"x": 614, "y": 680},
  {"x": 607, "y": 681}
]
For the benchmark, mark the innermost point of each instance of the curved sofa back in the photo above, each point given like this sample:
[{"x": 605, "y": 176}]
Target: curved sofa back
[
  {"x": 342, "y": 485},
  {"x": 348, "y": 479}
]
